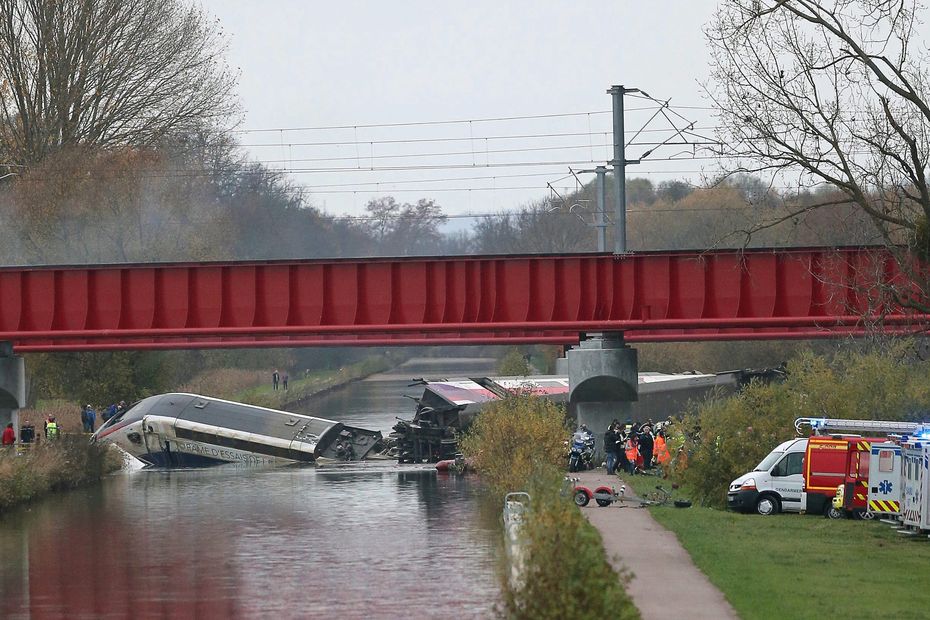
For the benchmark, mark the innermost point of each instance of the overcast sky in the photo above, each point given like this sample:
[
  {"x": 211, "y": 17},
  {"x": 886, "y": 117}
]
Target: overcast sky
[{"x": 311, "y": 64}]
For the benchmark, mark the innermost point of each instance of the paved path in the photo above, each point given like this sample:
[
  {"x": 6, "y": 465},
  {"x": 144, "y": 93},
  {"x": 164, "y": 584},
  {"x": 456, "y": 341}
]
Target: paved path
[{"x": 666, "y": 583}]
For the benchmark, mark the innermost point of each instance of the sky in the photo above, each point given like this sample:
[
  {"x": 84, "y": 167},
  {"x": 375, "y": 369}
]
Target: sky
[{"x": 309, "y": 66}]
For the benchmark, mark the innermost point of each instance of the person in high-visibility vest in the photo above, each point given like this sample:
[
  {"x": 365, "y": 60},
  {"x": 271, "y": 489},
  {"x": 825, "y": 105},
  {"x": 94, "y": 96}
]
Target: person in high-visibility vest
[
  {"x": 51, "y": 428},
  {"x": 632, "y": 454},
  {"x": 662, "y": 453}
]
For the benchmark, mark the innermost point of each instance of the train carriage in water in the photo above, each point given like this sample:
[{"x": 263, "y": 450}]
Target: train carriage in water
[{"x": 187, "y": 430}]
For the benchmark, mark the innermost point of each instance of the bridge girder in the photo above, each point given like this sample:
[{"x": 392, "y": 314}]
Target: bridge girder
[{"x": 651, "y": 297}]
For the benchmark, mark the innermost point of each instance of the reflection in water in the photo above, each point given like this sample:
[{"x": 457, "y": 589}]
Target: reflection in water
[{"x": 362, "y": 540}]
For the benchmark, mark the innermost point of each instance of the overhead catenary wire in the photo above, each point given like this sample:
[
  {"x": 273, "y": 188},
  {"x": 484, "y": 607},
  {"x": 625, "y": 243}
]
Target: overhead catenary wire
[
  {"x": 458, "y": 121},
  {"x": 506, "y": 213},
  {"x": 447, "y": 154},
  {"x": 461, "y": 121},
  {"x": 524, "y": 136}
]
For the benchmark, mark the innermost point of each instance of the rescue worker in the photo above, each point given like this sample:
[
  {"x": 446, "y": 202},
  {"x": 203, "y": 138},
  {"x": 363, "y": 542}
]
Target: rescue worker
[
  {"x": 662, "y": 453},
  {"x": 9, "y": 435},
  {"x": 51, "y": 428},
  {"x": 632, "y": 454}
]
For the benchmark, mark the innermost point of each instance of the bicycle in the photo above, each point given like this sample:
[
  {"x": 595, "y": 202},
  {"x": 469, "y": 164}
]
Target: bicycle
[{"x": 659, "y": 497}]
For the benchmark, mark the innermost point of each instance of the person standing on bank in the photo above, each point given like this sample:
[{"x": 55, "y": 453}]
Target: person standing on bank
[
  {"x": 274, "y": 379},
  {"x": 51, "y": 428},
  {"x": 89, "y": 418},
  {"x": 9, "y": 435},
  {"x": 610, "y": 447},
  {"x": 284, "y": 381}
]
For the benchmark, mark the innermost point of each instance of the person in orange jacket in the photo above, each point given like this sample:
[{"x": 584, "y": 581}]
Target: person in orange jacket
[
  {"x": 662, "y": 454},
  {"x": 633, "y": 458}
]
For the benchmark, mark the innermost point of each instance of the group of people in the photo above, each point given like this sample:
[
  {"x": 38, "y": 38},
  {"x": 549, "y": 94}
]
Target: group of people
[
  {"x": 278, "y": 379},
  {"x": 635, "y": 447},
  {"x": 89, "y": 415},
  {"x": 52, "y": 428}
]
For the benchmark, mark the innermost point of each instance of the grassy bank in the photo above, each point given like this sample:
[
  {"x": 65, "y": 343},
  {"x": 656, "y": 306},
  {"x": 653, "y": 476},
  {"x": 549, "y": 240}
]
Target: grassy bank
[
  {"x": 799, "y": 566},
  {"x": 66, "y": 463},
  {"x": 516, "y": 445},
  {"x": 254, "y": 386}
]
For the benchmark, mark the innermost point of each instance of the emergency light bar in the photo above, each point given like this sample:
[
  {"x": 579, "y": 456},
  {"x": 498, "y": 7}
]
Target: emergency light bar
[{"x": 820, "y": 425}]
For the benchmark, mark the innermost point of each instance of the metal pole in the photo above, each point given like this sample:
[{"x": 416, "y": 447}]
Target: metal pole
[
  {"x": 601, "y": 215},
  {"x": 619, "y": 165}
]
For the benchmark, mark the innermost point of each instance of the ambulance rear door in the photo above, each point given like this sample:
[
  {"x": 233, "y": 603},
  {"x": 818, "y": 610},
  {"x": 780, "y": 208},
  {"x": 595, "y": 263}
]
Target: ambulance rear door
[
  {"x": 885, "y": 479},
  {"x": 911, "y": 465},
  {"x": 924, "y": 497}
]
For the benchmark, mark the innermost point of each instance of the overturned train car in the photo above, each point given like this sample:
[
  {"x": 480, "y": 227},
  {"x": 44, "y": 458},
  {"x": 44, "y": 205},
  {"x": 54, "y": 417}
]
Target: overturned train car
[{"x": 187, "y": 430}]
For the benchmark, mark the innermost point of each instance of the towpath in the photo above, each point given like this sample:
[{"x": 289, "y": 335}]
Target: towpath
[{"x": 666, "y": 583}]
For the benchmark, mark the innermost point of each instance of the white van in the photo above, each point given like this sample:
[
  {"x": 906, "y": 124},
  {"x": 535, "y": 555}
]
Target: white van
[{"x": 776, "y": 484}]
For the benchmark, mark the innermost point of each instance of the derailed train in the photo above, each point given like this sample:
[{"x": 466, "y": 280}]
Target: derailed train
[{"x": 187, "y": 430}]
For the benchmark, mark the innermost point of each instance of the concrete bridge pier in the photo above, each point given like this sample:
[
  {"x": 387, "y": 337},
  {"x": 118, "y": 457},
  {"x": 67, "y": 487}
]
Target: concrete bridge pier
[
  {"x": 602, "y": 382},
  {"x": 12, "y": 386}
]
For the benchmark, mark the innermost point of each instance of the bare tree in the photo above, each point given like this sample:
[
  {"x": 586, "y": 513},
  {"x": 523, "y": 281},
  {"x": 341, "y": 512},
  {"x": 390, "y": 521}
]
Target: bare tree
[
  {"x": 536, "y": 228},
  {"x": 830, "y": 92},
  {"x": 409, "y": 229},
  {"x": 107, "y": 72}
]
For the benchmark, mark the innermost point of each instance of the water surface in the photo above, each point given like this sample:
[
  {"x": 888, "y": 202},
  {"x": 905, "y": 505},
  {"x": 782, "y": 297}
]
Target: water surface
[{"x": 373, "y": 539}]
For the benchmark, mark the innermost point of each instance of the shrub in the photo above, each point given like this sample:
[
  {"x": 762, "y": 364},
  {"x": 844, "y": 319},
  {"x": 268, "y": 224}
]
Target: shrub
[
  {"x": 513, "y": 364},
  {"x": 518, "y": 444},
  {"x": 567, "y": 574},
  {"x": 734, "y": 435},
  {"x": 513, "y": 438},
  {"x": 67, "y": 463}
]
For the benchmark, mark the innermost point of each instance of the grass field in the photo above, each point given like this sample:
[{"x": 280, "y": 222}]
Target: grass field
[{"x": 801, "y": 566}]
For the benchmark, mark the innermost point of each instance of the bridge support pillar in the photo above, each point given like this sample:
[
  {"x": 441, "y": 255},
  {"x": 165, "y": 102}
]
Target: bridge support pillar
[
  {"x": 12, "y": 386},
  {"x": 602, "y": 382}
]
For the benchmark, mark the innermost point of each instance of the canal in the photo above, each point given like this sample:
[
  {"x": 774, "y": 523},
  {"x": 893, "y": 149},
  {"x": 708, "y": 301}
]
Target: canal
[{"x": 372, "y": 539}]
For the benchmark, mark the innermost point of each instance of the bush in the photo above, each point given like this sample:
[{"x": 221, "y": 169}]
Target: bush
[
  {"x": 66, "y": 463},
  {"x": 734, "y": 435},
  {"x": 567, "y": 573},
  {"x": 513, "y": 364},
  {"x": 518, "y": 444},
  {"x": 514, "y": 438}
]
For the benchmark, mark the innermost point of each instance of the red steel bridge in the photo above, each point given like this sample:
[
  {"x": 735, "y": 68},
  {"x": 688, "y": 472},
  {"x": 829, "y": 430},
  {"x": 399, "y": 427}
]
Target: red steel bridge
[{"x": 651, "y": 297}]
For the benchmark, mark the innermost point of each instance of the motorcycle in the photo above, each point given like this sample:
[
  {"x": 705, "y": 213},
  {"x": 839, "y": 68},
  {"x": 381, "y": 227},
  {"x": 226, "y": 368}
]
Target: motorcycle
[{"x": 581, "y": 455}]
